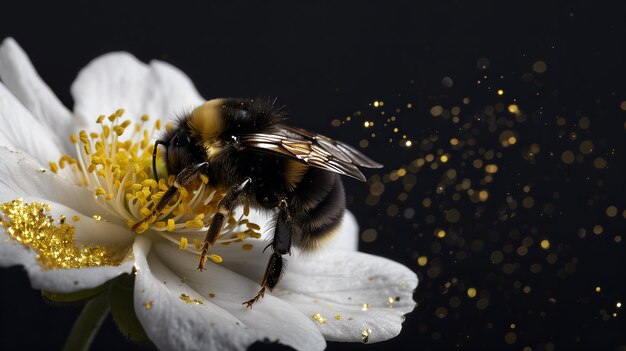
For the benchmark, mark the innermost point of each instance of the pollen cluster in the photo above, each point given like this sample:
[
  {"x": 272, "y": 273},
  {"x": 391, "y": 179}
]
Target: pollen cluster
[
  {"x": 116, "y": 164},
  {"x": 29, "y": 224}
]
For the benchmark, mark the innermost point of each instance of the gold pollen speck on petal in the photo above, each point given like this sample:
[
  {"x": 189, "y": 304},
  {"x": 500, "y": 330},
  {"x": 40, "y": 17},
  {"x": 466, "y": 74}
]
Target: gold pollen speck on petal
[
  {"x": 365, "y": 335},
  {"x": 55, "y": 245},
  {"x": 185, "y": 298},
  {"x": 147, "y": 305},
  {"x": 319, "y": 318}
]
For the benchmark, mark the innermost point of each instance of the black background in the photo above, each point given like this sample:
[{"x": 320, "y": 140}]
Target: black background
[{"x": 327, "y": 60}]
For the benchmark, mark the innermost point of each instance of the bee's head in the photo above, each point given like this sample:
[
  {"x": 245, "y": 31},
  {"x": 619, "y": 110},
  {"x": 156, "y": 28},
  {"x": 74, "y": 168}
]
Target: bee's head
[{"x": 213, "y": 126}]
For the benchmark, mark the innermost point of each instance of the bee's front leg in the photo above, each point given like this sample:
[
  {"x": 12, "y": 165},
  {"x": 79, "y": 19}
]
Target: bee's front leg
[
  {"x": 225, "y": 206},
  {"x": 184, "y": 178}
]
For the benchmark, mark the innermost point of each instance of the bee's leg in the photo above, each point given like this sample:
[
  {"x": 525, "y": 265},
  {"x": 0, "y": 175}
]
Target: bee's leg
[
  {"x": 281, "y": 245},
  {"x": 184, "y": 178},
  {"x": 225, "y": 206}
]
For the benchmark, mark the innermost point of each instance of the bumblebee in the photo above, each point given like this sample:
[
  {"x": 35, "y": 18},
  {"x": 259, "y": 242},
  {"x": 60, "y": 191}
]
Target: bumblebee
[{"x": 243, "y": 146}]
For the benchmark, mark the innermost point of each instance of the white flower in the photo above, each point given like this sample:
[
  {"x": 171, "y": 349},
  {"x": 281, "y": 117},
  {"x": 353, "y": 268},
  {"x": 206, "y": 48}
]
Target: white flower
[{"x": 335, "y": 294}]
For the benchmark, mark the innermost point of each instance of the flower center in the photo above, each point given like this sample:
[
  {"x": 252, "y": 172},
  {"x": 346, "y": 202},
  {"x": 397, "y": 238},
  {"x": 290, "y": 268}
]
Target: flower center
[{"x": 117, "y": 166}]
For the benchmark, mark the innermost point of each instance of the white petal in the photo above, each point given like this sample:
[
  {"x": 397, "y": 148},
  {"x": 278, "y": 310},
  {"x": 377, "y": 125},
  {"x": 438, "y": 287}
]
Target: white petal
[
  {"x": 335, "y": 282},
  {"x": 21, "y": 176},
  {"x": 119, "y": 80},
  {"x": 347, "y": 236},
  {"x": 88, "y": 232},
  {"x": 21, "y": 78},
  {"x": 221, "y": 322},
  {"x": 22, "y": 131}
]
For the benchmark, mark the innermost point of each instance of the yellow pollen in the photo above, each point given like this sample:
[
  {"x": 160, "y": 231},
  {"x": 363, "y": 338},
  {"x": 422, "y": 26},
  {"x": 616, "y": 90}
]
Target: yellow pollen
[
  {"x": 183, "y": 243},
  {"x": 55, "y": 245},
  {"x": 216, "y": 258},
  {"x": 73, "y": 138},
  {"x": 204, "y": 179},
  {"x": 319, "y": 318},
  {"x": 53, "y": 167},
  {"x": 100, "y": 119},
  {"x": 170, "y": 225}
]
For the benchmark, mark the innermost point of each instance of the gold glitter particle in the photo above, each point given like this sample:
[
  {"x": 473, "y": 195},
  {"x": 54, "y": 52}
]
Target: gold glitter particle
[
  {"x": 540, "y": 67},
  {"x": 611, "y": 211},
  {"x": 422, "y": 260},
  {"x": 599, "y": 163},
  {"x": 500, "y": 92},
  {"x": 189, "y": 300},
  {"x": 436, "y": 111},
  {"x": 471, "y": 292},
  {"x": 97, "y": 217},
  {"x": 319, "y": 318},
  {"x": 586, "y": 147},
  {"x": 567, "y": 157},
  {"x": 369, "y": 235},
  {"x": 366, "y": 306},
  {"x": 545, "y": 244},
  {"x": 491, "y": 168},
  {"x": 365, "y": 335},
  {"x": 42, "y": 170},
  {"x": 597, "y": 229},
  {"x": 147, "y": 305},
  {"x": 28, "y": 224},
  {"x": 618, "y": 304},
  {"x": 510, "y": 338}
]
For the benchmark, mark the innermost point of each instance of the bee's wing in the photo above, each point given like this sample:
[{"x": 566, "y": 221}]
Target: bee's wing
[{"x": 313, "y": 149}]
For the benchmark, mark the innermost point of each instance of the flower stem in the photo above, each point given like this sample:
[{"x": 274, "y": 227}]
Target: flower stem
[{"x": 88, "y": 323}]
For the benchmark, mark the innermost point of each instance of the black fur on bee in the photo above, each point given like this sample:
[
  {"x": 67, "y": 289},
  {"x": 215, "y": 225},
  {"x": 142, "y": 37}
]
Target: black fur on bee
[{"x": 242, "y": 145}]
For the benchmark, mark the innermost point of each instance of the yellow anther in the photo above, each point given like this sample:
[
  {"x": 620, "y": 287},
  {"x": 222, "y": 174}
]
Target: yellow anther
[
  {"x": 255, "y": 235},
  {"x": 142, "y": 228},
  {"x": 151, "y": 183},
  {"x": 168, "y": 126},
  {"x": 100, "y": 191},
  {"x": 96, "y": 160},
  {"x": 157, "y": 125},
  {"x": 162, "y": 185},
  {"x": 170, "y": 225},
  {"x": 183, "y": 243},
  {"x": 160, "y": 224},
  {"x": 216, "y": 258},
  {"x": 183, "y": 192},
  {"x": 194, "y": 224},
  {"x": 246, "y": 209},
  {"x": 100, "y": 119},
  {"x": 129, "y": 197},
  {"x": 106, "y": 131},
  {"x": 109, "y": 196},
  {"x": 145, "y": 118},
  {"x": 146, "y": 191},
  {"x": 91, "y": 168},
  {"x": 197, "y": 244},
  {"x": 136, "y": 187},
  {"x": 253, "y": 226},
  {"x": 119, "y": 112},
  {"x": 119, "y": 130},
  {"x": 145, "y": 212},
  {"x": 53, "y": 167},
  {"x": 94, "y": 135},
  {"x": 73, "y": 138},
  {"x": 83, "y": 138},
  {"x": 241, "y": 236},
  {"x": 204, "y": 179},
  {"x": 157, "y": 196},
  {"x": 87, "y": 149},
  {"x": 126, "y": 123}
]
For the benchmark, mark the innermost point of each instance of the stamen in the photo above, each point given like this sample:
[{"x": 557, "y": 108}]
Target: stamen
[{"x": 119, "y": 171}]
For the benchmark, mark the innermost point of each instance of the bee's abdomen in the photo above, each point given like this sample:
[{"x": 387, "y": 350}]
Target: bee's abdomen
[{"x": 320, "y": 202}]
